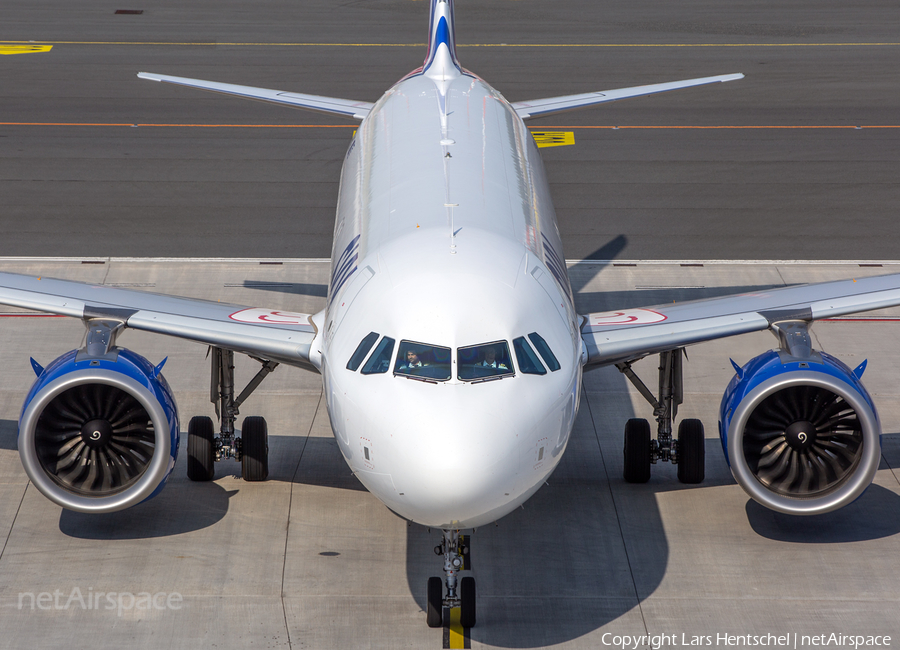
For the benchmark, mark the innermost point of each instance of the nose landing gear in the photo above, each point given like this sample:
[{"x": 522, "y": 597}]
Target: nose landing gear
[{"x": 460, "y": 592}]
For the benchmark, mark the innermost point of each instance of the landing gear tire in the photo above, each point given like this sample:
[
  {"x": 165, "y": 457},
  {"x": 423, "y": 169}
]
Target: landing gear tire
[
  {"x": 691, "y": 451},
  {"x": 254, "y": 449},
  {"x": 201, "y": 460},
  {"x": 467, "y": 602},
  {"x": 637, "y": 451},
  {"x": 434, "y": 613}
]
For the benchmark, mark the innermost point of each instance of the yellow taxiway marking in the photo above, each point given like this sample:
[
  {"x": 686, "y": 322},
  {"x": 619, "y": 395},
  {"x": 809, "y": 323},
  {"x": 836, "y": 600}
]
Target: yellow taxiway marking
[
  {"x": 457, "y": 634},
  {"x": 24, "y": 49},
  {"x": 576, "y": 45},
  {"x": 553, "y": 138}
]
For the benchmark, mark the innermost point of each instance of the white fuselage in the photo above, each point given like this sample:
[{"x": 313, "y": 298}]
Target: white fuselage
[{"x": 446, "y": 236}]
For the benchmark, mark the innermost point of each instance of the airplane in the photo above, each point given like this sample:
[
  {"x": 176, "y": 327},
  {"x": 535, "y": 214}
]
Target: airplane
[{"x": 450, "y": 349}]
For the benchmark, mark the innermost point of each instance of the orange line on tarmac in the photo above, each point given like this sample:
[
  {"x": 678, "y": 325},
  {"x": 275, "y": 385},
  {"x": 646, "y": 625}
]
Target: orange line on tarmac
[
  {"x": 206, "y": 126},
  {"x": 540, "y": 128}
]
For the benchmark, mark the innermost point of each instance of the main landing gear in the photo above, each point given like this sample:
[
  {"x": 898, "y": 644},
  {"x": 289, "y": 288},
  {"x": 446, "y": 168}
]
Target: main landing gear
[
  {"x": 460, "y": 593},
  {"x": 688, "y": 451},
  {"x": 251, "y": 448}
]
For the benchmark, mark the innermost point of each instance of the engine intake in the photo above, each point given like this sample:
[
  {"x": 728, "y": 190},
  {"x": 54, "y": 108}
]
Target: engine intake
[
  {"x": 801, "y": 435},
  {"x": 99, "y": 435}
]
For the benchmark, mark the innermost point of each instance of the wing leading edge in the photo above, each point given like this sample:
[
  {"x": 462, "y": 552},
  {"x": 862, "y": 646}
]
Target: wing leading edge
[
  {"x": 612, "y": 337},
  {"x": 554, "y": 105},
  {"x": 281, "y": 336},
  {"x": 331, "y": 105}
]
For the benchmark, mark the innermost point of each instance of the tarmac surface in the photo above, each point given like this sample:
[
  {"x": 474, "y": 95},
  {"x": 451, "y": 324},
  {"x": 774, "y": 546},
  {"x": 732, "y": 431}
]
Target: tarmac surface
[
  {"x": 98, "y": 166},
  {"x": 783, "y": 174}
]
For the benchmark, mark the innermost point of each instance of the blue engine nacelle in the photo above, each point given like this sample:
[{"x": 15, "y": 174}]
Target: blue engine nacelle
[
  {"x": 801, "y": 435},
  {"x": 99, "y": 434}
]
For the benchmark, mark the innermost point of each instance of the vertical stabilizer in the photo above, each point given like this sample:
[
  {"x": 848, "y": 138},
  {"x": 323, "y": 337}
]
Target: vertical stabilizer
[{"x": 441, "y": 62}]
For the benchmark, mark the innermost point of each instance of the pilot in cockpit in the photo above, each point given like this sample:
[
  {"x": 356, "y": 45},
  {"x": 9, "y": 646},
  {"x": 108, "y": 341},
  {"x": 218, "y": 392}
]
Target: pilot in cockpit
[
  {"x": 490, "y": 360},
  {"x": 412, "y": 361}
]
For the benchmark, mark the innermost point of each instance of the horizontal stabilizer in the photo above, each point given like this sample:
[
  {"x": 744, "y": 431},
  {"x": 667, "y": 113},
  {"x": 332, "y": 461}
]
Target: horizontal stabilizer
[
  {"x": 553, "y": 105},
  {"x": 330, "y": 105}
]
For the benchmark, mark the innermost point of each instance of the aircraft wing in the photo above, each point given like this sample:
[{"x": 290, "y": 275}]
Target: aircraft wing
[
  {"x": 612, "y": 337},
  {"x": 330, "y": 105},
  {"x": 276, "y": 335},
  {"x": 553, "y": 105}
]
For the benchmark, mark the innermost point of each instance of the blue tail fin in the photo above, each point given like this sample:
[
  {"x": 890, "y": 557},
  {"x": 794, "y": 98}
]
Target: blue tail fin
[{"x": 441, "y": 59}]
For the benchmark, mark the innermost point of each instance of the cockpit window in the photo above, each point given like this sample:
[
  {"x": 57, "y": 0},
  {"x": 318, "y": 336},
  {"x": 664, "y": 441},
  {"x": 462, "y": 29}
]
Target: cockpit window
[
  {"x": 380, "y": 361},
  {"x": 362, "y": 350},
  {"x": 526, "y": 358},
  {"x": 544, "y": 350},
  {"x": 484, "y": 361},
  {"x": 423, "y": 361}
]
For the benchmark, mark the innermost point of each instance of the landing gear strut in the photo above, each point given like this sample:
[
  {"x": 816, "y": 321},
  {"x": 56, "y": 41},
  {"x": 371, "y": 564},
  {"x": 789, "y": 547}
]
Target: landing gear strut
[
  {"x": 460, "y": 593},
  {"x": 205, "y": 448},
  {"x": 640, "y": 451}
]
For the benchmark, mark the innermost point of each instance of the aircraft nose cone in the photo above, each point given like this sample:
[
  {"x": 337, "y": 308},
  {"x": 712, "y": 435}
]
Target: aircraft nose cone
[{"x": 457, "y": 466}]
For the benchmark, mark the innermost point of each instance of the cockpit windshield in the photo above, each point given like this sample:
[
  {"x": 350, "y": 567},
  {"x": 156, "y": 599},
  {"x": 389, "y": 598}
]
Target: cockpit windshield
[
  {"x": 380, "y": 360},
  {"x": 362, "y": 350},
  {"x": 423, "y": 361},
  {"x": 528, "y": 361},
  {"x": 485, "y": 361},
  {"x": 545, "y": 351}
]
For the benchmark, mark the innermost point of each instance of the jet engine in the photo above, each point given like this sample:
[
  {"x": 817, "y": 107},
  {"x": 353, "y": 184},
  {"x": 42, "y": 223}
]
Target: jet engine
[
  {"x": 801, "y": 434},
  {"x": 99, "y": 434}
]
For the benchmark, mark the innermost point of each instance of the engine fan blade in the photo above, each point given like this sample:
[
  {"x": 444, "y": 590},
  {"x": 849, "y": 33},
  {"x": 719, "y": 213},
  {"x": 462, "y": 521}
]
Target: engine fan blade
[
  {"x": 95, "y": 439},
  {"x": 816, "y": 460}
]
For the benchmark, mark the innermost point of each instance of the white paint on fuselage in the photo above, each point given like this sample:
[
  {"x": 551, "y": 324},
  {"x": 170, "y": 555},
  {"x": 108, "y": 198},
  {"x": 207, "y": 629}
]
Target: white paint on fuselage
[{"x": 439, "y": 243}]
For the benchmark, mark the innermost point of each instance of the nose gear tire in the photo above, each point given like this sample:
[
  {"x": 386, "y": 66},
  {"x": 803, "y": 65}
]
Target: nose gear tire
[
  {"x": 467, "y": 602},
  {"x": 434, "y": 610}
]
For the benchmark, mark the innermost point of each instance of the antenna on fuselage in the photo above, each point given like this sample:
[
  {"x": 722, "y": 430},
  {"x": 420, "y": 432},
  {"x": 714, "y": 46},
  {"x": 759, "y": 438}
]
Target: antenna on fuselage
[{"x": 450, "y": 207}]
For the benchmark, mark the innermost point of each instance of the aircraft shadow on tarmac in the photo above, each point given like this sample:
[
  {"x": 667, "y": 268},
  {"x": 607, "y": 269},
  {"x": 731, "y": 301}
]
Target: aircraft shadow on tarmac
[
  {"x": 582, "y": 273},
  {"x": 874, "y": 515},
  {"x": 181, "y": 507},
  {"x": 594, "y": 301},
  {"x": 9, "y": 431},
  {"x": 294, "y": 288}
]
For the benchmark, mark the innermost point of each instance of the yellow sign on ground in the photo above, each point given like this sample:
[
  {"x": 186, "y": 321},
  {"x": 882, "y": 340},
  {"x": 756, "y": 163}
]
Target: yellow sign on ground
[
  {"x": 553, "y": 138},
  {"x": 24, "y": 49}
]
